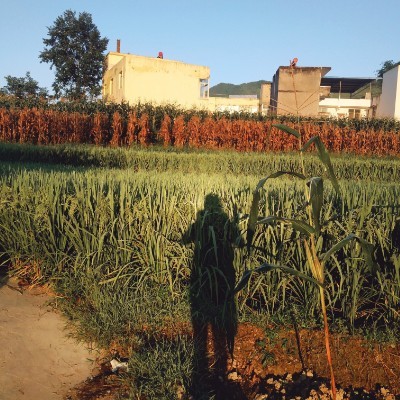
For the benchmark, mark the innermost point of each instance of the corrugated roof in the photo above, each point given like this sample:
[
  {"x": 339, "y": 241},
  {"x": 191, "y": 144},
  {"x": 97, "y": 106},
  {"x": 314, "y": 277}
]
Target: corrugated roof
[{"x": 345, "y": 85}]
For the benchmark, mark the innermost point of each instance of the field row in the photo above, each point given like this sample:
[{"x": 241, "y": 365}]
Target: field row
[
  {"x": 157, "y": 159},
  {"x": 112, "y": 237},
  {"x": 39, "y": 126}
]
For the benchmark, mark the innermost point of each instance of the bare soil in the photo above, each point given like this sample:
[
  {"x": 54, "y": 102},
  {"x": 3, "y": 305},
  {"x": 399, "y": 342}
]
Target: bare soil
[
  {"x": 269, "y": 366},
  {"x": 38, "y": 360}
]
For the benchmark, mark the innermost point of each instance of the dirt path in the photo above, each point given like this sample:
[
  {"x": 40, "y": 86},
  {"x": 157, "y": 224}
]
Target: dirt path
[{"x": 37, "y": 359}]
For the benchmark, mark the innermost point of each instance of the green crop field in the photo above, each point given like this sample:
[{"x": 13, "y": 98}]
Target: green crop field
[{"x": 110, "y": 229}]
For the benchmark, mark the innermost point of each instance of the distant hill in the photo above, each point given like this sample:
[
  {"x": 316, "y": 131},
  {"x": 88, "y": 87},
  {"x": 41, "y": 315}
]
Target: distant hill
[
  {"x": 226, "y": 89},
  {"x": 374, "y": 87}
]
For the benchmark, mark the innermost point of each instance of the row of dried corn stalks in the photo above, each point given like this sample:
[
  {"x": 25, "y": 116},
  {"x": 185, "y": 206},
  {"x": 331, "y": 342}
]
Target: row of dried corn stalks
[{"x": 40, "y": 126}]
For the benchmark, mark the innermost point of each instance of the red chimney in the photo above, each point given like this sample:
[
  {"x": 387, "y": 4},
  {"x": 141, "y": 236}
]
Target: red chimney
[{"x": 118, "y": 46}]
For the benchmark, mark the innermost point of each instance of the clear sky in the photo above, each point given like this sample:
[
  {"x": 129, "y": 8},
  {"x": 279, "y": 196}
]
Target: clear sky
[{"x": 240, "y": 40}]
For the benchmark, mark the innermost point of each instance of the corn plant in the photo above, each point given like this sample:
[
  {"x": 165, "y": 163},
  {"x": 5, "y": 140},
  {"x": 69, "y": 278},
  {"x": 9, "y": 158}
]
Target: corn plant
[{"x": 310, "y": 230}]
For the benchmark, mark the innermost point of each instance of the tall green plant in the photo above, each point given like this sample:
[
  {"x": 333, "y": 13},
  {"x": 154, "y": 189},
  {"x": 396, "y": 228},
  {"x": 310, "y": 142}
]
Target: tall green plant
[{"x": 310, "y": 230}]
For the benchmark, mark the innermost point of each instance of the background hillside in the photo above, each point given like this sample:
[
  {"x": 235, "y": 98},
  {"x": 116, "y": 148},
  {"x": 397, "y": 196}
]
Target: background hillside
[{"x": 226, "y": 89}]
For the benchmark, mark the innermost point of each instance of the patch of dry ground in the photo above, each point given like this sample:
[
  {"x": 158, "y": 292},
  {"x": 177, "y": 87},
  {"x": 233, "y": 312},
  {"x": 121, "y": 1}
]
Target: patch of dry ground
[
  {"x": 39, "y": 361},
  {"x": 269, "y": 366},
  {"x": 37, "y": 358}
]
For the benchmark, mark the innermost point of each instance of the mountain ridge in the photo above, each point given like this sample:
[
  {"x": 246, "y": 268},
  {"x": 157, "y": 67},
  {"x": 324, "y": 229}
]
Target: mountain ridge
[{"x": 227, "y": 89}]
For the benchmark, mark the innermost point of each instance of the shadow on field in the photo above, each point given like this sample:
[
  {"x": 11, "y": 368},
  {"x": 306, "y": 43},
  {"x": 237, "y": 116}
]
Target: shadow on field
[
  {"x": 395, "y": 236},
  {"x": 3, "y": 269},
  {"x": 213, "y": 310},
  {"x": 3, "y": 276}
]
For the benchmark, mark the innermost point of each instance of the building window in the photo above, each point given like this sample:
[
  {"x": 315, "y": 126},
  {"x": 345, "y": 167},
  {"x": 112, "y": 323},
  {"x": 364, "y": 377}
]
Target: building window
[
  {"x": 204, "y": 89},
  {"x": 354, "y": 113},
  {"x": 120, "y": 80},
  {"x": 105, "y": 90},
  {"x": 111, "y": 86}
]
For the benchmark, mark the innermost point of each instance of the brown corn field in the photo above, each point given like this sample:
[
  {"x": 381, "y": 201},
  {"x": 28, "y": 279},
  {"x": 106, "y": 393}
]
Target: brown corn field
[{"x": 46, "y": 126}]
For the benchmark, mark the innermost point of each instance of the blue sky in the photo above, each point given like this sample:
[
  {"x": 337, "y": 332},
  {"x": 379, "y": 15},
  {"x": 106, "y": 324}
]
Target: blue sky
[{"x": 241, "y": 41}]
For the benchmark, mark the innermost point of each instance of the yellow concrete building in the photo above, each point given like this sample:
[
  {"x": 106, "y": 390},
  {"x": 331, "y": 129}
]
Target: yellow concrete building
[{"x": 131, "y": 78}]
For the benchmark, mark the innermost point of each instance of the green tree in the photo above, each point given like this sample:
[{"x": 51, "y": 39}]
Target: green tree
[
  {"x": 23, "y": 87},
  {"x": 386, "y": 66},
  {"x": 75, "y": 49}
]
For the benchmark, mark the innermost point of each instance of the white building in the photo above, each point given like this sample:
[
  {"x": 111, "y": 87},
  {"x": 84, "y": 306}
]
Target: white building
[
  {"x": 346, "y": 97},
  {"x": 345, "y": 108},
  {"x": 389, "y": 102}
]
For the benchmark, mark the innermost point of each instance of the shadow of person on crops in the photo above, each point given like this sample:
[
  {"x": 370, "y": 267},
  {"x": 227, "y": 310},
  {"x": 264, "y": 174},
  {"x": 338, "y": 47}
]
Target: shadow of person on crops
[
  {"x": 3, "y": 276},
  {"x": 213, "y": 309},
  {"x": 3, "y": 268},
  {"x": 395, "y": 235}
]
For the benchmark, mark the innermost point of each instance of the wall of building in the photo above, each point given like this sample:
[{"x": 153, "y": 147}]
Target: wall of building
[
  {"x": 114, "y": 79},
  {"x": 296, "y": 90},
  {"x": 265, "y": 97},
  {"x": 155, "y": 80},
  {"x": 389, "y": 102},
  {"x": 239, "y": 104},
  {"x": 274, "y": 94},
  {"x": 113, "y": 59}
]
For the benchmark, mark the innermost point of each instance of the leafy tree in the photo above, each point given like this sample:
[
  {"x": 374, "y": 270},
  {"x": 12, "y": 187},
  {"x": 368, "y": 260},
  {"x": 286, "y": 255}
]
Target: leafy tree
[
  {"x": 23, "y": 87},
  {"x": 74, "y": 47},
  {"x": 386, "y": 66}
]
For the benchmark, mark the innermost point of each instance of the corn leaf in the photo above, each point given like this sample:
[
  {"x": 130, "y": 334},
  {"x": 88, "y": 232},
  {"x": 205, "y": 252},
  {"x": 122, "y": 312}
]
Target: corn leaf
[
  {"x": 253, "y": 216},
  {"x": 251, "y": 224},
  {"x": 264, "y": 268},
  {"x": 324, "y": 157},
  {"x": 316, "y": 198},
  {"x": 277, "y": 175},
  {"x": 269, "y": 267},
  {"x": 243, "y": 281},
  {"x": 297, "y": 225},
  {"x": 287, "y": 129},
  {"x": 338, "y": 246},
  {"x": 366, "y": 247},
  {"x": 368, "y": 252}
]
